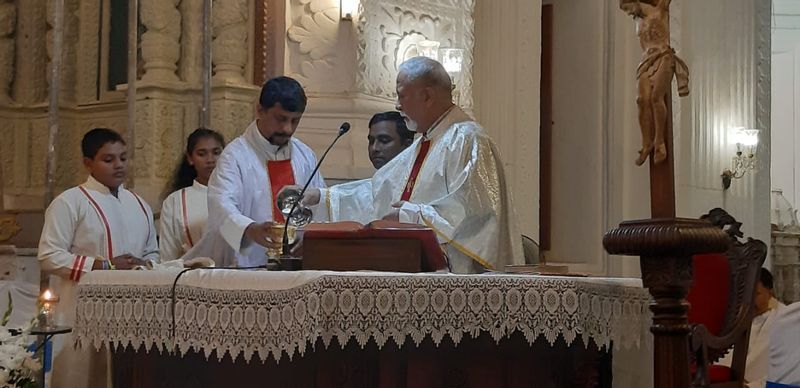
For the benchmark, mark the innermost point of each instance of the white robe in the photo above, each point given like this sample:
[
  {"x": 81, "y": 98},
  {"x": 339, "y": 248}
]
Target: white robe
[
  {"x": 239, "y": 194},
  {"x": 461, "y": 193},
  {"x": 183, "y": 217},
  {"x": 784, "y": 347},
  {"x": 77, "y": 231},
  {"x": 756, "y": 366}
]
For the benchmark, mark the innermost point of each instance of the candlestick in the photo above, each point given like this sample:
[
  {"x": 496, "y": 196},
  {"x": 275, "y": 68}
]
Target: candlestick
[{"x": 48, "y": 301}]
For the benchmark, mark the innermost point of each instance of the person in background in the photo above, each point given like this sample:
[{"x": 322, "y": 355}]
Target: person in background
[
  {"x": 185, "y": 211},
  {"x": 388, "y": 136},
  {"x": 766, "y": 312}
]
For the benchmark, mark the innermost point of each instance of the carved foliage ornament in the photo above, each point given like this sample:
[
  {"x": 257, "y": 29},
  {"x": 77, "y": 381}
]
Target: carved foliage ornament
[
  {"x": 319, "y": 58},
  {"x": 390, "y": 31}
]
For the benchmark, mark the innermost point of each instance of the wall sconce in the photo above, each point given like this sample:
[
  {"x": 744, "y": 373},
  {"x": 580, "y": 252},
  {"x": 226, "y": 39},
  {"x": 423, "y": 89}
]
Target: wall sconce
[
  {"x": 429, "y": 48},
  {"x": 745, "y": 159},
  {"x": 347, "y": 8},
  {"x": 453, "y": 62}
]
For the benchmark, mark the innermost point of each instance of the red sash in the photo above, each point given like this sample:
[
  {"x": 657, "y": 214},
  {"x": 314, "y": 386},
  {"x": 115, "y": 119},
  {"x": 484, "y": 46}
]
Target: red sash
[
  {"x": 280, "y": 174},
  {"x": 425, "y": 145}
]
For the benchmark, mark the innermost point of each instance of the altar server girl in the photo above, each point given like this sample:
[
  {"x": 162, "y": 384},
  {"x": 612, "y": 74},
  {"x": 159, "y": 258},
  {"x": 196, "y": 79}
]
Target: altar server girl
[{"x": 185, "y": 211}]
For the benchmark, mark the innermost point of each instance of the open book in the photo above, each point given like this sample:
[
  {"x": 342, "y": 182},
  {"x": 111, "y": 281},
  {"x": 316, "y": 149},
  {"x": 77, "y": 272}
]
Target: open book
[{"x": 433, "y": 258}]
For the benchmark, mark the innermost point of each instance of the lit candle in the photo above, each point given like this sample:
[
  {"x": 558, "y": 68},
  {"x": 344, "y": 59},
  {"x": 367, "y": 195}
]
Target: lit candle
[{"x": 48, "y": 301}]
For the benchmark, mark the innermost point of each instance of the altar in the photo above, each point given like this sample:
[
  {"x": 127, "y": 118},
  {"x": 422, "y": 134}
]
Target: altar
[{"x": 380, "y": 329}]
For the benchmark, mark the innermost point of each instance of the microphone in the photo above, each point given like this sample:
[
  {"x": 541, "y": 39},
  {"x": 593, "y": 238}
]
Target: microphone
[{"x": 285, "y": 243}]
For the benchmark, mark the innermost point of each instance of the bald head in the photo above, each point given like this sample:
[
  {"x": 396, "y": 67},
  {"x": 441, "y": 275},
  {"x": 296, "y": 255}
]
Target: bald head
[
  {"x": 424, "y": 92},
  {"x": 425, "y": 70}
]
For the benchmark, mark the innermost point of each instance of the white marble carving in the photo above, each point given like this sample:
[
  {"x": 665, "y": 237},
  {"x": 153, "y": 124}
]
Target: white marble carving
[
  {"x": 388, "y": 32},
  {"x": 8, "y": 24},
  {"x": 321, "y": 53},
  {"x": 160, "y": 43},
  {"x": 229, "y": 47}
]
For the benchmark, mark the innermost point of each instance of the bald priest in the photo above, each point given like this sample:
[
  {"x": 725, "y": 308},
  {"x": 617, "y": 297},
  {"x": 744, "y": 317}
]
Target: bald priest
[{"x": 450, "y": 179}]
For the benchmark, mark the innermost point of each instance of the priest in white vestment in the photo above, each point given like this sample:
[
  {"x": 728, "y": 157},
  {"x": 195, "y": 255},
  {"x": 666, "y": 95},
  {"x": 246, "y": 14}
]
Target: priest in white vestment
[
  {"x": 450, "y": 179},
  {"x": 98, "y": 225},
  {"x": 252, "y": 169}
]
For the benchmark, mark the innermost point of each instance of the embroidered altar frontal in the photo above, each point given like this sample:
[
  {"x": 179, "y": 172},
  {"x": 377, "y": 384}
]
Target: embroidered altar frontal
[{"x": 247, "y": 313}]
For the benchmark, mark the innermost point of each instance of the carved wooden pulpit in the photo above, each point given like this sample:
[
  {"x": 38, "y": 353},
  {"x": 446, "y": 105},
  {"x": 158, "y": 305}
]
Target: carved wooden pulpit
[{"x": 664, "y": 243}]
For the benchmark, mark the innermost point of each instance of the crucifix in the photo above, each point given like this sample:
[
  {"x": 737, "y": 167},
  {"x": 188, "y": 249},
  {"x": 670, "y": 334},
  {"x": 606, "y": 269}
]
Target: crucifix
[{"x": 664, "y": 243}]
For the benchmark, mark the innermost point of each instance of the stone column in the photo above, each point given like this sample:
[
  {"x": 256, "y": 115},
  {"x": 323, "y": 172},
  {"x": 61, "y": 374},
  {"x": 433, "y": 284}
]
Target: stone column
[
  {"x": 30, "y": 85},
  {"x": 191, "y": 69},
  {"x": 160, "y": 44},
  {"x": 8, "y": 24},
  {"x": 229, "y": 21}
]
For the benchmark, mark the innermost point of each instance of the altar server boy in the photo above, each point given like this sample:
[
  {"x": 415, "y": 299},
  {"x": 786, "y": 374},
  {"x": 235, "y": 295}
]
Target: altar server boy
[{"x": 98, "y": 225}]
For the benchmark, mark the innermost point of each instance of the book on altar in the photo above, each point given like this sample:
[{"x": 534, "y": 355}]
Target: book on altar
[{"x": 381, "y": 233}]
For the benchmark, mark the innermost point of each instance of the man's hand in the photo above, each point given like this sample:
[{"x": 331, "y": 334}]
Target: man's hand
[
  {"x": 259, "y": 233},
  {"x": 126, "y": 261},
  {"x": 394, "y": 215}
]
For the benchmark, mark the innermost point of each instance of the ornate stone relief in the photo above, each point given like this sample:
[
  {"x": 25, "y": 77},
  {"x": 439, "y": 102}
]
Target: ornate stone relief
[
  {"x": 229, "y": 47},
  {"x": 160, "y": 43},
  {"x": 320, "y": 53},
  {"x": 159, "y": 135},
  {"x": 8, "y": 25},
  {"x": 388, "y": 32}
]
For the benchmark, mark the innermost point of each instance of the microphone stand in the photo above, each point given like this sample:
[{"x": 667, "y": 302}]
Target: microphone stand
[{"x": 285, "y": 243}]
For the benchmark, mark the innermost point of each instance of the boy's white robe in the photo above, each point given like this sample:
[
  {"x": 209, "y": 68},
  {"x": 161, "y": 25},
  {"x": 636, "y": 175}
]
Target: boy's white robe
[{"x": 84, "y": 224}]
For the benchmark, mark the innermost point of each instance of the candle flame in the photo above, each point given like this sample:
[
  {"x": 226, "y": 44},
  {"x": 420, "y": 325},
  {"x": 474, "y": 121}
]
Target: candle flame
[{"x": 47, "y": 295}]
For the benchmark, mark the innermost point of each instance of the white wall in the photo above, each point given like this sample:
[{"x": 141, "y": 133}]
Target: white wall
[
  {"x": 785, "y": 123},
  {"x": 785, "y": 114},
  {"x": 596, "y": 133},
  {"x": 507, "y": 95},
  {"x": 728, "y": 52}
]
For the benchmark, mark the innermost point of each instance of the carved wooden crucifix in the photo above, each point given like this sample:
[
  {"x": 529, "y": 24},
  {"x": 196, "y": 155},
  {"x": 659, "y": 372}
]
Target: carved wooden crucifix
[{"x": 664, "y": 243}]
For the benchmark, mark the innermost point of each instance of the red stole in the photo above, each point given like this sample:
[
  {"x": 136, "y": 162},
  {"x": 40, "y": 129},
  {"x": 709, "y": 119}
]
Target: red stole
[
  {"x": 425, "y": 145},
  {"x": 280, "y": 174}
]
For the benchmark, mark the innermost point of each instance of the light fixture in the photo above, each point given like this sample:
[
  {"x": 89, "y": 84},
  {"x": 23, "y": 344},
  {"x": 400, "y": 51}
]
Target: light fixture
[
  {"x": 347, "y": 8},
  {"x": 453, "y": 62},
  {"x": 429, "y": 48},
  {"x": 745, "y": 159}
]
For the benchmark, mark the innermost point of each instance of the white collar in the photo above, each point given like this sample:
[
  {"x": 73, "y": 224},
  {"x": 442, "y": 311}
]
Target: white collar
[
  {"x": 263, "y": 145},
  {"x": 94, "y": 185},
  {"x": 199, "y": 186}
]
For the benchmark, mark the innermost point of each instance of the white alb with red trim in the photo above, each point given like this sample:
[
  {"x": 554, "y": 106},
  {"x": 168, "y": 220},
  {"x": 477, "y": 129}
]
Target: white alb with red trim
[{"x": 183, "y": 218}]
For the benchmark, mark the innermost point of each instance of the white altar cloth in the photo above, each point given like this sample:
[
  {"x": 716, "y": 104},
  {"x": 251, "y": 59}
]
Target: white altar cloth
[{"x": 284, "y": 313}]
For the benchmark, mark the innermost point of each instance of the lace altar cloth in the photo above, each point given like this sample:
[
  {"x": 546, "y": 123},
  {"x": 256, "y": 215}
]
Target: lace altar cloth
[{"x": 284, "y": 313}]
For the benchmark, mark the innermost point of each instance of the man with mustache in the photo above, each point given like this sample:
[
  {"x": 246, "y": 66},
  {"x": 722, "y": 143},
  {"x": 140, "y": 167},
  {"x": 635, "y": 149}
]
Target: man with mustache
[
  {"x": 250, "y": 172},
  {"x": 450, "y": 179}
]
